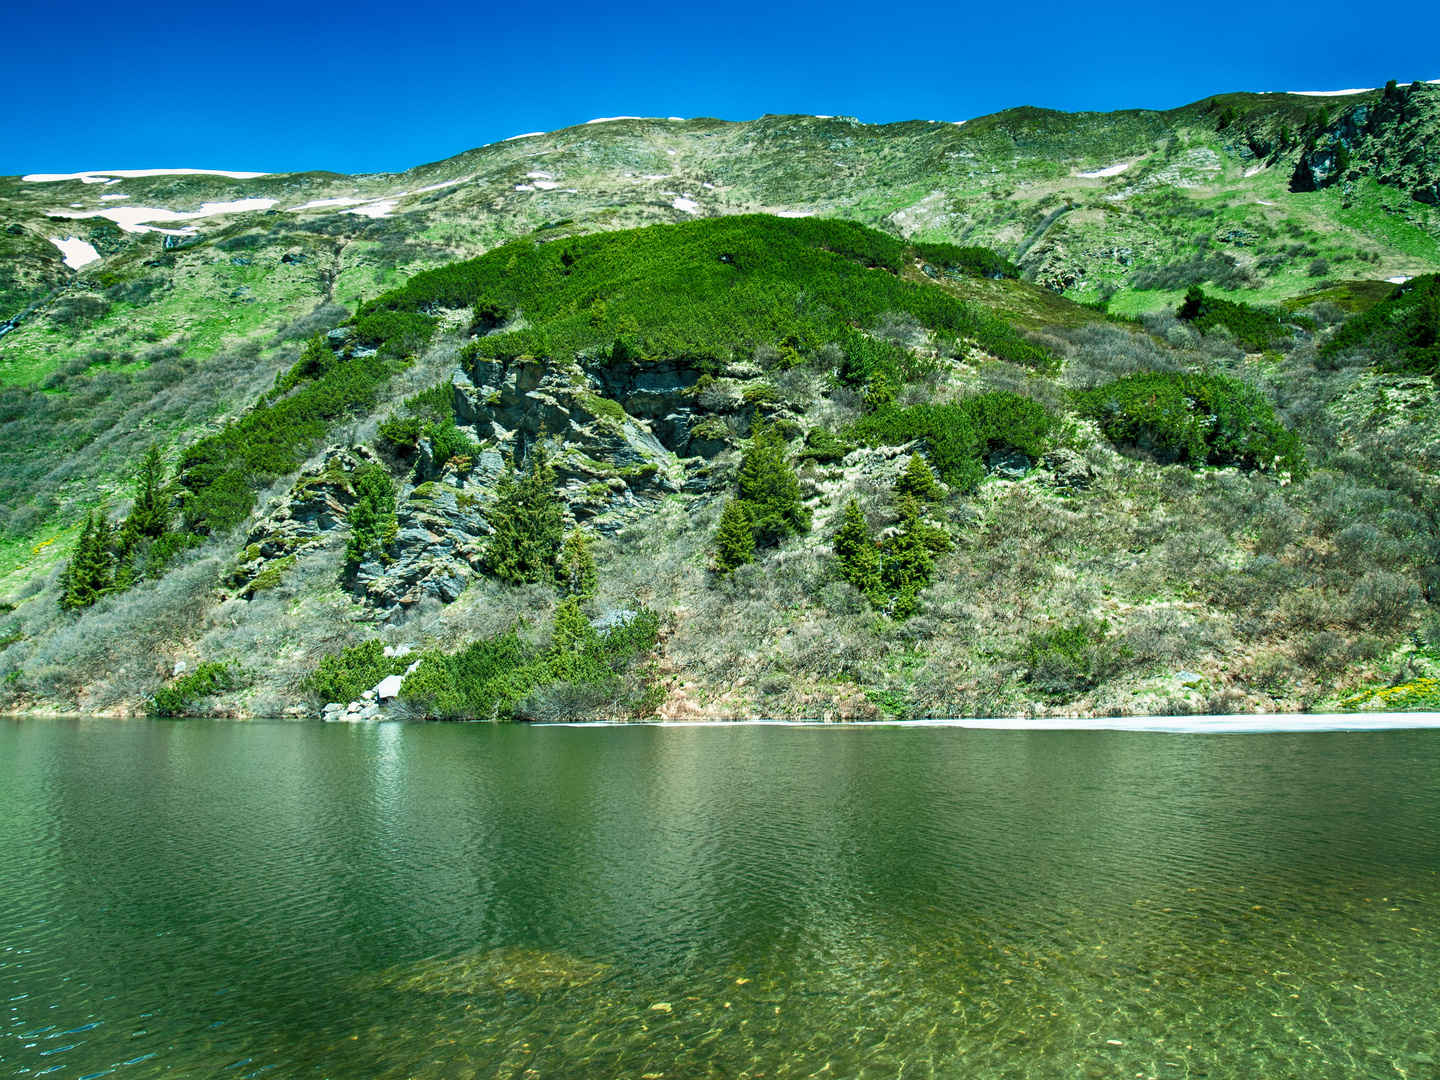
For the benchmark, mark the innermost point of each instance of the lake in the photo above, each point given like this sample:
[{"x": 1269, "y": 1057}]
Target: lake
[{"x": 243, "y": 899}]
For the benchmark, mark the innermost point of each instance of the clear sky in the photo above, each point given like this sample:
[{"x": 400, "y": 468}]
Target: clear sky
[{"x": 369, "y": 86}]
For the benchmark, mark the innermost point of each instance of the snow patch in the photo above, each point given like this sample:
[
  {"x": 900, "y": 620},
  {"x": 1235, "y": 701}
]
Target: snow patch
[
  {"x": 656, "y": 176},
  {"x": 1329, "y": 93},
  {"x": 527, "y": 135},
  {"x": 682, "y": 119},
  {"x": 377, "y": 209},
  {"x": 1398, "y": 280},
  {"x": 707, "y": 184},
  {"x": 137, "y": 218},
  {"x": 100, "y": 176},
  {"x": 823, "y": 116},
  {"x": 315, "y": 204},
  {"x": 1252, "y": 171},
  {"x": 1262, "y": 202},
  {"x": 77, "y": 253},
  {"x": 115, "y": 195},
  {"x": 795, "y": 213},
  {"x": 524, "y": 187},
  {"x": 608, "y": 119},
  {"x": 539, "y": 176},
  {"x": 546, "y": 185},
  {"x": 442, "y": 184},
  {"x": 690, "y": 206},
  {"x": 1112, "y": 170}
]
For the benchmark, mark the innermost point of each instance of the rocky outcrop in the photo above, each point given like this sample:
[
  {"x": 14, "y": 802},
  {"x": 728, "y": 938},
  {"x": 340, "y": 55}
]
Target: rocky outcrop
[
  {"x": 439, "y": 539},
  {"x": 317, "y": 504}
]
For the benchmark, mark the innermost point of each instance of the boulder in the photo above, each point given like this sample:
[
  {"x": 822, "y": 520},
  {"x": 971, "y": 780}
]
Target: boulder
[
  {"x": 1008, "y": 464},
  {"x": 388, "y": 687}
]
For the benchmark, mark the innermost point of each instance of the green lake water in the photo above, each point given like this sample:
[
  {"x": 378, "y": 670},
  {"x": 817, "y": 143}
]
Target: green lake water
[{"x": 221, "y": 899}]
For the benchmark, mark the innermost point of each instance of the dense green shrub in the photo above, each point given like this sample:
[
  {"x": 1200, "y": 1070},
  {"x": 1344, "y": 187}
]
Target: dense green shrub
[
  {"x": 180, "y": 695},
  {"x": 575, "y": 571},
  {"x": 1253, "y": 327},
  {"x": 1068, "y": 660},
  {"x": 969, "y": 261},
  {"x": 220, "y": 473},
  {"x": 960, "y": 435},
  {"x": 342, "y": 677},
  {"x": 1194, "y": 419},
  {"x": 1403, "y": 330},
  {"x": 490, "y": 679},
  {"x": 707, "y": 289},
  {"x": 824, "y": 446}
]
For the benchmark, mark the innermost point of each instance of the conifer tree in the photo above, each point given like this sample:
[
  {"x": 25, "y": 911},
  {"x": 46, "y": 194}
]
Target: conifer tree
[
  {"x": 88, "y": 575},
  {"x": 527, "y": 522},
  {"x": 372, "y": 518},
  {"x": 575, "y": 572},
  {"x": 918, "y": 481},
  {"x": 735, "y": 540},
  {"x": 769, "y": 484},
  {"x": 150, "y": 514},
  {"x": 855, "y": 551}
]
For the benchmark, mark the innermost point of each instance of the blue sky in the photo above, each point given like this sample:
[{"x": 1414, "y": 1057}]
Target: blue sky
[{"x": 382, "y": 86}]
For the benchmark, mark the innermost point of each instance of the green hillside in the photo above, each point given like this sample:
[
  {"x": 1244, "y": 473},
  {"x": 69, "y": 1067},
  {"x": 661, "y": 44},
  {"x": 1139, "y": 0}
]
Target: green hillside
[{"x": 1184, "y": 418}]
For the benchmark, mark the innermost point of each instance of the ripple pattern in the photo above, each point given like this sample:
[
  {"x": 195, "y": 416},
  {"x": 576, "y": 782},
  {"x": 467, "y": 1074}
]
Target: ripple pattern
[{"x": 436, "y": 901}]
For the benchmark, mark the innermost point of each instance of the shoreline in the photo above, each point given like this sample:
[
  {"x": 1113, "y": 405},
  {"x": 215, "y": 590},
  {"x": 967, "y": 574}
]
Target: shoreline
[{"x": 1255, "y": 724}]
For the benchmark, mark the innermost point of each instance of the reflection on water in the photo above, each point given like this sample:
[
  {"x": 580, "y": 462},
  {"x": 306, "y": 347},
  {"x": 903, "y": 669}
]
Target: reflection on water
[{"x": 306, "y": 900}]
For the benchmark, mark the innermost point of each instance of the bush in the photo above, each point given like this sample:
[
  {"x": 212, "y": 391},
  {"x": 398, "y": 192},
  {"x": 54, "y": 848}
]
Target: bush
[
  {"x": 704, "y": 290},
  {"x": 342, "y": 677},
  {"x": 1402, "y": 332},
  {"x": 1195, "y": 419},
  {"x": 960, "y": 435},
  {"x": 1069, "y": 660},
  {"x": 968, "y": 261},
  {"x": 181, "y": 695},
  {"x": 221, "y": 473},
  {"x": 1251, "y": 326},
  {"x": 372, "y": 518},
  {"x": 491, "y": 679}
]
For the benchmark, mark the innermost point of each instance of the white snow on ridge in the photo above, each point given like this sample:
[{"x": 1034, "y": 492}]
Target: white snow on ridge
[
  {"x": 1112, "y": 170},
  {"x": 607, "y": 119},
  {"x": 77, "y": 253},
  {"x": 116, "y": 195},
  {"x": 138, "y": 218},
  {"x": 315, "y": 204},
  {"x": 442, "y": 184},
  {"x": 527, "y": 135},
  {"x": 1398, "y": 280},
  {"x": 1329, "y": 93},
  {"x": 99, "y": 176}
]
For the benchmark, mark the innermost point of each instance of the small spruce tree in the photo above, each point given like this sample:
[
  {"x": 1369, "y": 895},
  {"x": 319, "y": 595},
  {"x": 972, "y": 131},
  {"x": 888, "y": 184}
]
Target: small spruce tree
[
  {"x": 918, "y": 481},
  {"x": 769, "y": 484},
  {"x": 88, "y": 576},
  {"x": 735, "y": 540},
  {"x": 527, "y": 521},
  {"x": 855, "y": 552},
  {"x": 575, "y": 572},
  {"x": 372, "y": 518}
]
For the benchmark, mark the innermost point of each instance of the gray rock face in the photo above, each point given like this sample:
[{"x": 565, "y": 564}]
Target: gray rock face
[
  {"x": 1009, "y": 464},
  {"x": 438, "y": 545},
  {"x": 317, "y": 504}
]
